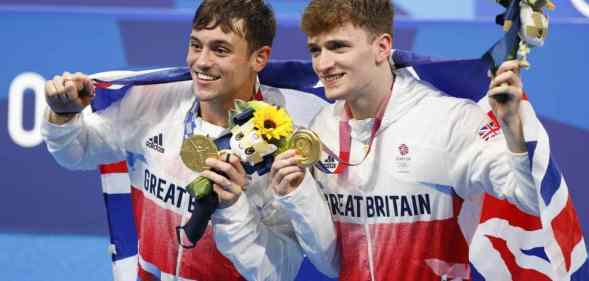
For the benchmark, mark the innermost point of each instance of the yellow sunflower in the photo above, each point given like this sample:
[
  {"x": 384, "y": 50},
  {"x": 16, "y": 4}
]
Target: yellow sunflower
[{"x": 271, "y": 122}]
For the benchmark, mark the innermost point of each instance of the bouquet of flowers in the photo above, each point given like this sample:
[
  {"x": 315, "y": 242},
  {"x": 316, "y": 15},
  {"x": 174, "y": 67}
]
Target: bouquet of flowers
[{"x": 258, "y": 131}]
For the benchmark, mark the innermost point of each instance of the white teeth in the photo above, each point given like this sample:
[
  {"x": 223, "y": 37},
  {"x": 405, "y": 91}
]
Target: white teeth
[
  {"x": 333, "y": 77},
  {"x": 203, "y": 76}
]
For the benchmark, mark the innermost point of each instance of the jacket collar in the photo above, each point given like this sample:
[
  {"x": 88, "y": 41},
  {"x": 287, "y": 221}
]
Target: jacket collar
[{"x": 407, "y": 93}]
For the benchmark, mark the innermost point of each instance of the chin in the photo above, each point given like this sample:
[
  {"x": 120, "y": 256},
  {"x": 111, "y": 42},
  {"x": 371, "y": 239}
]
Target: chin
[
  {"x": 206, "y": 94},
  {"x": 335, "y": 94}
]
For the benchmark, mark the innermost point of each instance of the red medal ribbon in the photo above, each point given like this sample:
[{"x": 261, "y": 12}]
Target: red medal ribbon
[{"x": 345, "y": 137}]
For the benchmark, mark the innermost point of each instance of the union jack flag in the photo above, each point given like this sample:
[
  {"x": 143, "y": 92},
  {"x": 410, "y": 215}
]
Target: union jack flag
[
  {"x": 508, "y": 244},
  {"x": 489, "y": 131}
]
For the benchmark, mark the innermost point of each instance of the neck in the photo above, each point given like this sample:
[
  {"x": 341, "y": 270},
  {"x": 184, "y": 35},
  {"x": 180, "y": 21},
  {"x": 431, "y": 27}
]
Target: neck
[
  {"x": 215, "y": 111},
  {"x": 366, "y": 104}
]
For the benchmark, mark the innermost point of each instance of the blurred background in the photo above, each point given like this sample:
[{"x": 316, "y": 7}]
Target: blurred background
[{"x": 53, "y": 223}]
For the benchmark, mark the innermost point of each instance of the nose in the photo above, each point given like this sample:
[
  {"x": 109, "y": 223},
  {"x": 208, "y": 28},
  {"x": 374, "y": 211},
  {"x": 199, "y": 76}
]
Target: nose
[
  {"x": 323, "y": 62},
  {"x": 203, "y": 59}
]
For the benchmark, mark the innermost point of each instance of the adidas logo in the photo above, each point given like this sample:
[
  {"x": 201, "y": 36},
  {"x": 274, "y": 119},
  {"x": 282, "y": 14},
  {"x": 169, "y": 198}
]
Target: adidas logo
[
  {"x": 330, "y": 162},
  {"x": 156, "y": 143}
]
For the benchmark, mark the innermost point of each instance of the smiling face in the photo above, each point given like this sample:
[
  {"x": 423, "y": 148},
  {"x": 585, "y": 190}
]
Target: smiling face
[
  {"x": 349, "y": 40},
  {"x": 221, "y": 65},
  {"x": 345, "y": 59},
  {"x": 229, "y": 44}
]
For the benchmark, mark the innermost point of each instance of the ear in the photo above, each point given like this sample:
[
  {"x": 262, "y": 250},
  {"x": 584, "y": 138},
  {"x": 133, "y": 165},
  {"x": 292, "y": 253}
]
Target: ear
[
  {"x": 260, "y": 58},
  {"x": 382, "y": 47}
]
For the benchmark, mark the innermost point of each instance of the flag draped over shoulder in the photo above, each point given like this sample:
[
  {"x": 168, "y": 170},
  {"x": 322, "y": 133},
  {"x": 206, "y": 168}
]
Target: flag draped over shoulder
[{"x": 508, "y": 244}]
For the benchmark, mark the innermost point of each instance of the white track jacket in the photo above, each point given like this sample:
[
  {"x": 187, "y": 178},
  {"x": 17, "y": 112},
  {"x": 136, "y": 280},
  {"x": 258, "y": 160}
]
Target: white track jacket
[
  {"x": 414, "y": 203},
  {"x": 126, "y": 131}
]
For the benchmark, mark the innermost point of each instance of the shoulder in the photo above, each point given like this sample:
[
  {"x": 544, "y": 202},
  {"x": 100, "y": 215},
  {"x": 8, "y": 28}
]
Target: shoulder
[
  {"x": 438, "y": 117},
  {"x": 159, "y": 98},
  {"x": 433, "y": 101},
  {"x": 169, "y": 94},
  {"x": 444, "y": 105},
  {"x": 302, "y": 106},
  {"x": 326, "y": 122}
]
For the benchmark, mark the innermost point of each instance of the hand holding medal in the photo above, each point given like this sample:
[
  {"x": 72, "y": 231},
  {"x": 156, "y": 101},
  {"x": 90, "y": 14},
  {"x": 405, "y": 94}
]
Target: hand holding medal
[{"x": 258, "y": 132}]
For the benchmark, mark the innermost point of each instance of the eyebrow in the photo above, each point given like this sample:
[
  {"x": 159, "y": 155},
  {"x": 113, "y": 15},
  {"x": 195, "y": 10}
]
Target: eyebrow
[
  {"x": 221, "y": 42},
  {"x": 214, "y": 42},
  {"x": 331, "y": 42},
  {"x": 338, "y": 41}
]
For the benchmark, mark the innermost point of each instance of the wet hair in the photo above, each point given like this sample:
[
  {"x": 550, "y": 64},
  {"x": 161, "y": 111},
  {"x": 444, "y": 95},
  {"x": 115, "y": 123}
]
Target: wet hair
[
  {"x": 375, "y": 16},
  {"x": 252, "y": 19}
]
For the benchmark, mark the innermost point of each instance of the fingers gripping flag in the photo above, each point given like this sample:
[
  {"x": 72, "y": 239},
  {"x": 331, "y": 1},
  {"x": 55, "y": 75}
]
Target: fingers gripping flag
[{"x": 508, "y": 244}]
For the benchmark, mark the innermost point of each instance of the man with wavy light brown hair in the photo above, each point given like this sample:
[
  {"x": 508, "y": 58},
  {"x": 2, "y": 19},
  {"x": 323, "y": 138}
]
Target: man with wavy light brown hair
[{"x": 411, "y": 157}]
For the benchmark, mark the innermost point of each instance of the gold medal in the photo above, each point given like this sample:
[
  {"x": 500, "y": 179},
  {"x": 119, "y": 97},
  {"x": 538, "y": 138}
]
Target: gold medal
[
  {"x": 307, "y": 144},
  {"x": 195, "y": 150}
]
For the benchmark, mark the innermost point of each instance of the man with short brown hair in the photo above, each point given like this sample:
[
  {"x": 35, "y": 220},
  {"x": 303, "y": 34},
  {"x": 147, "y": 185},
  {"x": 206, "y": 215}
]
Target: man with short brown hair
[
  {"x": 230, "y": 43},
  {"x": 376, "y": 16},
  {"x": 412, "y": 160}
]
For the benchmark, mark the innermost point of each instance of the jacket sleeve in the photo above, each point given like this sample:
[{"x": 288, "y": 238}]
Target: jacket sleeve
[
  {"x": 485, "y": 164},
  {"x": 269, "y": 245},
  {"x": 313, "y": 225},
  {"x": 89, "y": 139},
  {"x": 259, "y": 242},
  {"x": 268, "y": 241},
  {"x": 311, "y": 217}
]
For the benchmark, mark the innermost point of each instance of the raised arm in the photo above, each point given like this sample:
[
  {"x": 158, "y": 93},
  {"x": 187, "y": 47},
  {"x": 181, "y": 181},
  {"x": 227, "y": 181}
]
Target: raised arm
[
  {"x": 496, "y": 160},
  {"x": 77, "y": 138}
]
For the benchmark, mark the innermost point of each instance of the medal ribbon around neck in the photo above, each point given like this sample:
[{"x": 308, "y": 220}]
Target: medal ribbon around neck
[{"x": 345, "y": 137}]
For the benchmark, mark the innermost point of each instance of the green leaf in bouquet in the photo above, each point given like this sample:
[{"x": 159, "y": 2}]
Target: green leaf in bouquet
[{"x": 200, "y": 187}]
